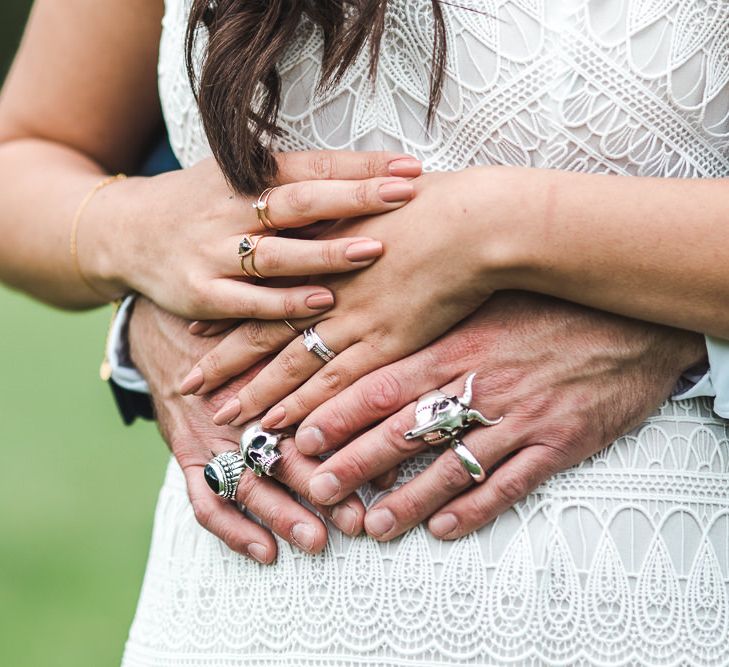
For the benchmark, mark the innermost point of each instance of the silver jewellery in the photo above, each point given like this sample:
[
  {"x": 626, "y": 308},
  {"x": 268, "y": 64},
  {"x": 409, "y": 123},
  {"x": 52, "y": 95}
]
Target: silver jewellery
[
  {"x": 468, "y": 461},
  {"x": 261, "y": 207},
  {"x": 440, "y": 418},
  {"x": 259, "y": 449},
  {"x": 313, "y": 342},
  {"x": 222, "y": 473}
]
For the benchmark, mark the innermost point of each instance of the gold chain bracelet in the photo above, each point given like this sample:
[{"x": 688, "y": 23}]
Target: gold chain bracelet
[{"x": 73, "y": 240}]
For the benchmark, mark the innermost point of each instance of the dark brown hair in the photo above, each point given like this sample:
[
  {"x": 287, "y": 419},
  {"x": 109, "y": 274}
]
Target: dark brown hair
[{"x": 239, "y": 89}]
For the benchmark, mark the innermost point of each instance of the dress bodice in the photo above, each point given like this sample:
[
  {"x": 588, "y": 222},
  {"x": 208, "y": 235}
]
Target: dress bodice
[{"x": 619, "y": 86}]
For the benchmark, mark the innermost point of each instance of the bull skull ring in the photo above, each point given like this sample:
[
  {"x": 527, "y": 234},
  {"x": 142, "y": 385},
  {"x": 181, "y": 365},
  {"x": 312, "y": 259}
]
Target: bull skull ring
[
  {"x": 439, "y": 417},
  {"x": 259, "y": 449}
]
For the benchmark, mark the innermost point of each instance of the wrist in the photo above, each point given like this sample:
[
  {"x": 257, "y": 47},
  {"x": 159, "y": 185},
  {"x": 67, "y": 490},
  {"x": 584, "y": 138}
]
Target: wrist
[{"x": 107, "y": 235}]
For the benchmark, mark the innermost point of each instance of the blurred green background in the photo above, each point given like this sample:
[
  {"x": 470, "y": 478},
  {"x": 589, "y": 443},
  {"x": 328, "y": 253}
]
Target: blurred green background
[{"x": 73, "y": 542}]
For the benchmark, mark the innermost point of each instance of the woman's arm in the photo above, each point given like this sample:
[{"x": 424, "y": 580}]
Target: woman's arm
[
  {"x": 80, "y": 101},
  {"x": 650, "y": 248}
]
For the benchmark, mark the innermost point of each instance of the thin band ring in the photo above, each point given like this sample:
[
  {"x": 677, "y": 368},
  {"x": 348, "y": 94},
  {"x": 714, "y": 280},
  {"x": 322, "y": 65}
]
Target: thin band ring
[
  {"x": 468, "y": 461},
  {"x": 291, "y": 326},
  {"x": 247, "y": 248},
  {"x": 313, "y": 342},
  {"x": 261, "y": 207}
]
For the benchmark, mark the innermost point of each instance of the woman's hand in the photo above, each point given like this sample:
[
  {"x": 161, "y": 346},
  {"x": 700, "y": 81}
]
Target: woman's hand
[
  {"x": 161, "y": 347},
  {"x": 176, "y": 235},
  {"x": 441, "y": 262},
  {"x": 567, "y": 380}
]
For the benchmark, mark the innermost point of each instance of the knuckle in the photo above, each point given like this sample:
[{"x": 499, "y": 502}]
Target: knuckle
[
  {"x": 454, "y": 475},
  {"x": 203, "y": 512},
  {"x": 373, "y": 165},
  {"x": 323, "y": 165},
  {"x": 361, "y": 197},
  {"x": 289, "y": 363},
  {"x": 339, "y": 424},
  {"x": 289, "y": 305},
  {"x": 300, "y": 402},
  {"x": 249, "y": 395},
  {"x": 410, "y": 507},
  {"x": 301, "y": 197},
  {"x": 393, "y": 430},
  {"x": 383, "y": 393},
  {"x": 268, "y": 255},
  {"x": 253, "y": 334},
  {"x": 327, "y": 254},
  {"x": 510, "y": 487},
  {"x": 213, "y": 365},
  {"x": 355, "y": 468},
  {"x": 332, "y": 380}
]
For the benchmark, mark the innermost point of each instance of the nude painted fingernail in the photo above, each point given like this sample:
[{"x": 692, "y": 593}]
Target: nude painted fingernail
[
  {"x": 363, "y": 250},
  {"x": 228, "y": 412},
  {"x": 274, "y": 417},
  {"x": 443, "y": 525},
  {"x": 259, "y": 552},
  {"x": 192, "y": 382},
  {"x": 345, "y": 517},
  {"x": 407, "y": 166},
  {"x": 396, "y": 191},
  {"x": 310, "y": 440},
  {"x": 304, "y": 536},
  {"x": 198, "y": 328},
  {"x": 320, "y": 300},
  {"x": 324, "y": 487},
  {"x": 379, "y": 522}
]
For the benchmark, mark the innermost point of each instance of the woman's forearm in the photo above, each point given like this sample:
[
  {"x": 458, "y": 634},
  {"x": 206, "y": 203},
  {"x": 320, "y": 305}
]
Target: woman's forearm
[
  {"x": 654, "y": 249},
  {"x": 41, "y": 187}
]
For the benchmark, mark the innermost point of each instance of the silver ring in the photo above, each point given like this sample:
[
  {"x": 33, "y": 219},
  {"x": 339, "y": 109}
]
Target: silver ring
[
  {"x": 259, "y": 449},
  {"x": 222, "y": 473},
  {"x": 468, "y": 461},
  {"x": 313, "y": 342},
  {"x": 440, "y": 418}
]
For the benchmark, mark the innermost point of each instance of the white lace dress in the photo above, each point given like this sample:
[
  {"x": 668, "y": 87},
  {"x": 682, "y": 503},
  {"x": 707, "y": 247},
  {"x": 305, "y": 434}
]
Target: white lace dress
[{"x": 621, "y": 560}]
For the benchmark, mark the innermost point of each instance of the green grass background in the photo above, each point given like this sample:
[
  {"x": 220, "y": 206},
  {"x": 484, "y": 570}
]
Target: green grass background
[{"x": 77, "y": 488}]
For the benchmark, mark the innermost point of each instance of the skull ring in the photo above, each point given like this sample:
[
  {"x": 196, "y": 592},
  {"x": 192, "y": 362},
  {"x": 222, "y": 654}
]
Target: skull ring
[
  {"x": 259, "y": 449},
  {"x": 440, "y": 418}
]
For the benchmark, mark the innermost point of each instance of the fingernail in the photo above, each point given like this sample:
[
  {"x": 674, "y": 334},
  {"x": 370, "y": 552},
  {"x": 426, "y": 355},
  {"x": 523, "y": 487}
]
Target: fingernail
[
  {"x": 303, "y": 535},
  {"x": 320, "y": 300},
  {"x": 396, "y": 191},
  {"x": 228, "y": 412},
  {"x": 259, "y": 552},
  {"x": 198, "y": 328},
  {"x": 324, "y": 487},
  {"x": 379, "y": 522},
  {"x": 275, "y": 416},
  {"x": 406, "y": 166},
  {"x": 310, "y": 440},
  {"x": 344, "y": 517},
  {"x": 363, "y": 250},
  {"x": 192, "y": 382},
  {"x": 443, "y": 525}
]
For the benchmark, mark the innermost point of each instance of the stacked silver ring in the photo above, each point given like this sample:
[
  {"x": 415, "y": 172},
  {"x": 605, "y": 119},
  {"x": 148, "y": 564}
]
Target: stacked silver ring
[
  {"x": 222, "y": 473},
  {"x": 313, "y": 342}
]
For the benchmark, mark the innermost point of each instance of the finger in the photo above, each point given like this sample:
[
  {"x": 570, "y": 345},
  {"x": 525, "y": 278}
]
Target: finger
[
  {"x": 334, "y": 377},
  {"x": 294, "y": 471},
  {"x": 386, "y": 480},
  {"x": 438, "y": 484},
  {"x": 225, "y": 521},
  {"x": 367, "y": 457},
  {"x": 287, "y": 371},
  {"x": 241, "y": 300},
  {"x": 298, "y": 166},
  {"x": 372, "y": 398},
  {"x": 208, "y": 328},
  {"x": 275, "y": 256},
  {"x": 281, "y": 513},
  {"x": 299, "y": 204},
  {"x": 509, "y": 483},
  {"x": 243, "y": 347}
]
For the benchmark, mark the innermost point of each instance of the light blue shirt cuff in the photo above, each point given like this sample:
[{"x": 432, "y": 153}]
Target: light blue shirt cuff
[
  {"x": 123, "y": 371},
  {"x": 715, "y": 382}
]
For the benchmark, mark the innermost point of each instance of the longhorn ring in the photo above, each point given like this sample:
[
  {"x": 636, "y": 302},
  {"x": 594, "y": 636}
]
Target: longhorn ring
[{"x": 441, "y": 418}]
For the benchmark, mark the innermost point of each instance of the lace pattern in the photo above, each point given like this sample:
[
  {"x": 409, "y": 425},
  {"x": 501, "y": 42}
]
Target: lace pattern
[{"x": 622, "y": 560}]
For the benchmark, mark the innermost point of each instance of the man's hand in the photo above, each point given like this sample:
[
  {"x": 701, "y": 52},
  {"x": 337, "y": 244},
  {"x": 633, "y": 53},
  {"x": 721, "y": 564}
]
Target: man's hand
[
  {"x": 568, "y": 381},
  {"x": 163, "y": 349}
]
